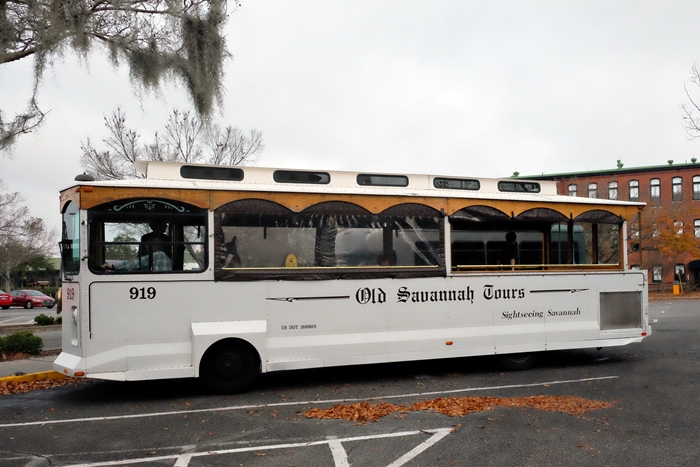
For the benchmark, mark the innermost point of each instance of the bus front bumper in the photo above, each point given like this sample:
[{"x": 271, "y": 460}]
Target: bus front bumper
[{"x": 70, "y": 365}]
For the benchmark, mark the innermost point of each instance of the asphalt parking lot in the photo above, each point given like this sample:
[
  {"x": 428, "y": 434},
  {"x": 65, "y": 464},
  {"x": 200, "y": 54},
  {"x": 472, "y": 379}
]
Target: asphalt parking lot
[
  {"x": 653, "y": 388},
  {"x": 17, "y": 316}
]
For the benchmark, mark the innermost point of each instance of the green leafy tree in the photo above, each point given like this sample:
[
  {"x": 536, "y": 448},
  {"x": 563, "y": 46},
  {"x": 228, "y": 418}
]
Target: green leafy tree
[
  {"x": 23, "y": 238},
  {"x": 159, "y": 40},
  {"x": 122, "y": 252}
]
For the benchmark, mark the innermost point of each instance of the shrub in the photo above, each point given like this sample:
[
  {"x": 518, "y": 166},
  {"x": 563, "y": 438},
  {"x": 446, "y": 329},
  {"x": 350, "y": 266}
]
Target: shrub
[
  {"x": 50, "y": 291},
  {"x": 44, "y": 320},
  {"x": 23, "y": 341},
  {"x": 59, "y": 320}
]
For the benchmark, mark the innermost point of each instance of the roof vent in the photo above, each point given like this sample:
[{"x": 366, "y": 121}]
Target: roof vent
[{"x": 84, "y": 177}]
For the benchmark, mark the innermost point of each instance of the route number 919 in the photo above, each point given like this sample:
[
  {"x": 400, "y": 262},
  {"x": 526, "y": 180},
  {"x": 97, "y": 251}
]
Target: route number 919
[{"x": 142, "y": 293}]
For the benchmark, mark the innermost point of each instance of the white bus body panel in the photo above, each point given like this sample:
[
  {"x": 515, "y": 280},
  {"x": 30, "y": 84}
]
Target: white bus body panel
[{"x": 305, "y": 324}]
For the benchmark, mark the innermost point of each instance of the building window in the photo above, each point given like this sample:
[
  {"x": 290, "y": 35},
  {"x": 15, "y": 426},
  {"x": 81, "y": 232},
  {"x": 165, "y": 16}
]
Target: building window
[
  {"x": 612, "y": 190},
  {"x": 655, "y": 189},
  {"x": 679, "y": 273},
  {"x": 677, "y": 185},
  {"x": 678, "y": 225},
  {"x": 634, "y": 190},
  {"x": 657, "y": 274},
  {"x": 696, "y": 224},
  {"x": 696, "y": 187},
  {"x": 573, "y": 189},
  {"x": 592, "y": 190}
]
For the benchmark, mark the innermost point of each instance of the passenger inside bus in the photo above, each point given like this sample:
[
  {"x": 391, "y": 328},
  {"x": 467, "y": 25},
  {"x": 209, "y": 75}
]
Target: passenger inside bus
[
  {"x": 231, "y": 257},
  {"x": 509, "y": 252}
]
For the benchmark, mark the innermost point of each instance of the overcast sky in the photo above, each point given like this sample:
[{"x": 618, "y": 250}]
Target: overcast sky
[{"x": 459, "y": 87}]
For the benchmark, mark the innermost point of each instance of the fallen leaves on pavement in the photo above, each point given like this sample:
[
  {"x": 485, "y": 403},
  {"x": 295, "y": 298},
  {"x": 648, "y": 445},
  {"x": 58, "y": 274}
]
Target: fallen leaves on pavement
[
  {"x": 11, "y": 356},
  {"x": 459, "y": 406},
  {"x": 18, "y": 387},
  {"x": 360, "y": 412}
]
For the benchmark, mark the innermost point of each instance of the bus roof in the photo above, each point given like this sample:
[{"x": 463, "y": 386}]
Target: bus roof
[{"x": 177, "y": 175}]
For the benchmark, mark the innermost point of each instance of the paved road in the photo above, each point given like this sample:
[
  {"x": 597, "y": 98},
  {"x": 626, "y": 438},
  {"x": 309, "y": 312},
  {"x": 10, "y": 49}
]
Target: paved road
[
  {"x": 654, "y": 387},
  {"x": 16, "y": 315}
]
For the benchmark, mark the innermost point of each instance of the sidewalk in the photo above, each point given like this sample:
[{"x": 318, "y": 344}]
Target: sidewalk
[
  {"x": 30, "y": 364},
  {"x": 27, "y": 365}
]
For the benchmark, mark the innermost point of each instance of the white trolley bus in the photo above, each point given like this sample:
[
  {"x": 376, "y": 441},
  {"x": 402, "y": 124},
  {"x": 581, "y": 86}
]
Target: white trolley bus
[{"x": 223, "y": 273}]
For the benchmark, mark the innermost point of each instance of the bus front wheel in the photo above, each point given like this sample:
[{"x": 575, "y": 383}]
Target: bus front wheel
[
  {"x": 517, "y": 361},
  {"x": 229, "y": 367}
]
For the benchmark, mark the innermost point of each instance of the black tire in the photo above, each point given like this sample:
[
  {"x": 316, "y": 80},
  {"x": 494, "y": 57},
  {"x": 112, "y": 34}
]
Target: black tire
[
  {"x": 517, "y": 361},
  {"x": 229, "y": 367},
  {"x": 5, "y": 307},
  {"x": 28, "y": 305},
  {"x": 49, "y": 307}
]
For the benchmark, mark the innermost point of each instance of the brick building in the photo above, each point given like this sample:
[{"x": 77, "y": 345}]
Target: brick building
[{"x": 671, "y": 191}]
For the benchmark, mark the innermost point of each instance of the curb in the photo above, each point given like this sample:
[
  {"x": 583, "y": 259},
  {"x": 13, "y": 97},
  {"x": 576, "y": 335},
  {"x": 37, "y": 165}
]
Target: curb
[{"x": 41, "y": 376}]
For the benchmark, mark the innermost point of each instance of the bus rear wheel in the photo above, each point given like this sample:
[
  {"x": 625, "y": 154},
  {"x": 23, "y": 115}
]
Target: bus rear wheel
[
  {"x": 517, "y": 361},
  {"x": 229, "y": 367}
]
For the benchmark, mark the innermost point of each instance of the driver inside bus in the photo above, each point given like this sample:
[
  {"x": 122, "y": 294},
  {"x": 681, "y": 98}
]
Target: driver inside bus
[
  {"x": 156, "y": 235},
  {"x": 161, "y": 262}
]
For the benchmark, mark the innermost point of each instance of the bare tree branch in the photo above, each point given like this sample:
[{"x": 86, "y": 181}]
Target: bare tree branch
[
  {"x": 186, "y": 139},
  {"x": 21, "y": 124},
  {"x": 691, "y": 122}
]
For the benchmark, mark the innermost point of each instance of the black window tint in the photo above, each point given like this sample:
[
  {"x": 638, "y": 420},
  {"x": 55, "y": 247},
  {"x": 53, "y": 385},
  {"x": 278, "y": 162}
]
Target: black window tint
[
  {"x": 212, "y": 173},
  {"x": 382, "y": 180},
  {"x": 519, "y": 187},
  {"x": 293, "y": 176},
  {"x": 456, "y": 183}
]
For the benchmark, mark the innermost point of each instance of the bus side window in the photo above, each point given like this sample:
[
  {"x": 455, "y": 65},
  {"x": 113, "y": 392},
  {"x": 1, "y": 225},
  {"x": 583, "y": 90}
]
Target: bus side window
[
  {"x": 426, "y": 254},
  {"x": 531, "y": 252},
  {"x": 494, "y": 252},
  {"x": 468, "y": 254}
]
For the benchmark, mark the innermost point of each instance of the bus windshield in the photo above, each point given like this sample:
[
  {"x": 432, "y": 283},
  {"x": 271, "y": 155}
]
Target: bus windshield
[{"x": 70, "y": 241}]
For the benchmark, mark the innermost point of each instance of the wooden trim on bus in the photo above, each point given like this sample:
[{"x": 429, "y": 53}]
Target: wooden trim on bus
[
  {"x": 70, "y": 195},
  {"x": 91, "y": 196}
]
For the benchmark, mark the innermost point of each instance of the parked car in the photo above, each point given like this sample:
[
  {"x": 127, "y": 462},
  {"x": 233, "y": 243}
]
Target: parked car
[
  {"x": 31, "y": 298},
  {"x": 5, "y": 300}
]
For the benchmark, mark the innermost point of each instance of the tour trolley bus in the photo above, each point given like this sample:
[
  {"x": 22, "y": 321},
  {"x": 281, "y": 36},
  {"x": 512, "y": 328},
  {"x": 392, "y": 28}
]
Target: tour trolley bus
[{"x": 223, "y": 273}]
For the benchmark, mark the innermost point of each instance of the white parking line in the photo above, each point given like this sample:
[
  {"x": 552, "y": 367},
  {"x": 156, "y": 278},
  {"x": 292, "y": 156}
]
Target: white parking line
[
  {"x": 312, "y": 402},
  {"x": 339, "y": 454},
  {"x": 9, "y": 321}
]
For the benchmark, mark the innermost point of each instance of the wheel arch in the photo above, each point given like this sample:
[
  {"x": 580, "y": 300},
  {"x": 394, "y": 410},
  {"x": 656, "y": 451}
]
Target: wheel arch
[{"x": 206, "y": 335}]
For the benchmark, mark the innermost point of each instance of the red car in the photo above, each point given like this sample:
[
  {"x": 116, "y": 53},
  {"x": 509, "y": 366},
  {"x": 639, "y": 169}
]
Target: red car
[
  {"x": 5, "y": 300},
  {"x": 31, "y": 298}
]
